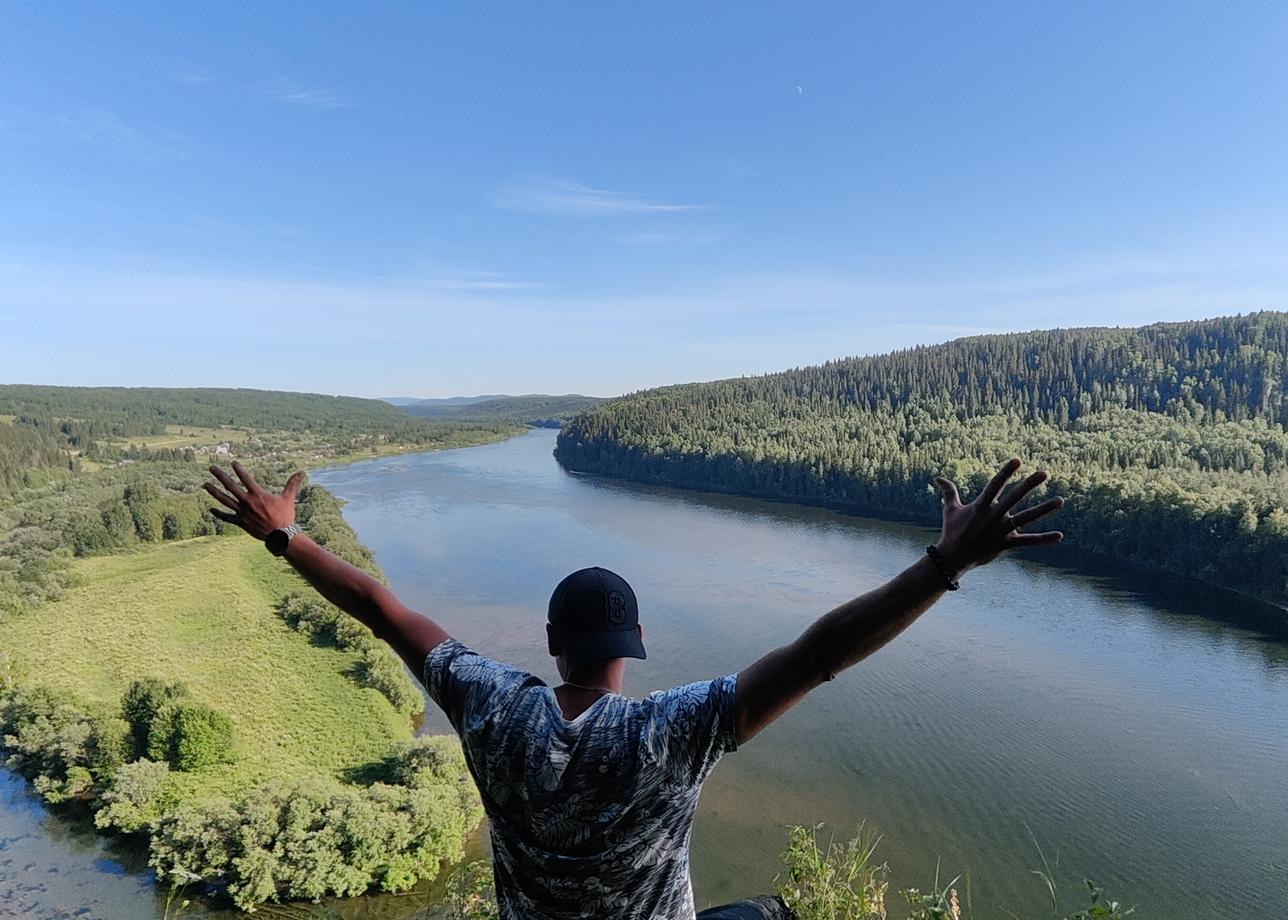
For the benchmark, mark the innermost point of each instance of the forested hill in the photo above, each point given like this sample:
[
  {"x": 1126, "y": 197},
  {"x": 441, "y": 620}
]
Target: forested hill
[
  {"x": 1169, "y": 439},
  {"x": 125, "y": 411},
  {"x": 537, "y": 409}
]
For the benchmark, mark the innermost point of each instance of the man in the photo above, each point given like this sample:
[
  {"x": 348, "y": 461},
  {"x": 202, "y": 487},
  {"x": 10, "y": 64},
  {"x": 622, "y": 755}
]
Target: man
[{"x": 591, "y": 795}]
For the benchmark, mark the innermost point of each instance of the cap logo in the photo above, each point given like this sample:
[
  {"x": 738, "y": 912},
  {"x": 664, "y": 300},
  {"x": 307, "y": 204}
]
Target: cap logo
[{"x": 616, "y": 608}]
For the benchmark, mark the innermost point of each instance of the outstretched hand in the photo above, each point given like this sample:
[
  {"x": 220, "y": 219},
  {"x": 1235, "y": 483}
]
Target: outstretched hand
[
  {"x": 980, "y": 531},
  {"x": 253, "y": 508}
]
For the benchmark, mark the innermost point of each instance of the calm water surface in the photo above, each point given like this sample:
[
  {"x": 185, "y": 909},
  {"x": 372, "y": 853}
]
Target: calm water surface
[{"x": 1137, "y": 732}]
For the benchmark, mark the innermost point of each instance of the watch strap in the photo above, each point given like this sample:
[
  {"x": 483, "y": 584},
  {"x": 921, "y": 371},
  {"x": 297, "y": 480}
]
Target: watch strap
[{"x": 289, "y": 532}]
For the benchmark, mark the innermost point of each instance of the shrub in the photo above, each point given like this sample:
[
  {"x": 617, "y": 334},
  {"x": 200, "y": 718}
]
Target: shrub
[
  {"x": 352, "y": 635},
  {"x": 111, "y": 746},
  {"x": 428, "y": 761},
  {"x": 311, "y": 840},
  {"x": 190, "y": 735},
  {"x": 307, "y": 615},
  {"x": 380, "y": 670},
  {"x": 49, "y": 741},
  {"x": 839, "y": 882},
  {"x": 471, "y": 890},
  {"x": 842, "y": 882},
  {"x": 161, "y": 732},
  {"x": 140, "y": 705},
  {"x": 135, "y": 797},
  {"x": 202, "y": 736},
  {"x": 377, "y": 667}
]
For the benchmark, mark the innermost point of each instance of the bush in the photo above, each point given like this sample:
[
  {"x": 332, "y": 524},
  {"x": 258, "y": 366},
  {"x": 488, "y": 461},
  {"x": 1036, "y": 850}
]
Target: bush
[
  {"x": 380, "y": 670},
  {"x": 143, "y": 701},
  {"x": 312, "y": 840},
  {"x": 50, "y": 741},
  {"x": 135, "y": 797},
  {"x": 190, "y": 735},
  {"x": 352, "y": 635},
  {"x": 312, "y": 617},
  {"x": 428, "y": 761},
  {"x": 377, "y": 667},
  {"x": 202, "y": 736},
  {"x": 111, "y": 746},
  {"x": 839, "y": 882}
]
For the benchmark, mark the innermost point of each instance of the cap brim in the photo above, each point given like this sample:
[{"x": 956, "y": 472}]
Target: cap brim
[{"x": 600, "y": 645}]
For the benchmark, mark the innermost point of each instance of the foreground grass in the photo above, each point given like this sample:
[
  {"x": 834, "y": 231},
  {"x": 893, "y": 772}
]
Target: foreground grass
[{"x": 201, "y": 612}]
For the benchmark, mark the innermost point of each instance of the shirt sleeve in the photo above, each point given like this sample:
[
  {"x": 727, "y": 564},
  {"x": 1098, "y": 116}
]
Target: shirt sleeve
[
  {"x": 469, "y": 688},
  {"x": 692, "y": 727}
]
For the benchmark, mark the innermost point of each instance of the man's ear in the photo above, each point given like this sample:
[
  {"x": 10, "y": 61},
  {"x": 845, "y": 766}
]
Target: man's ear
[{"x": 552, "y": 641}]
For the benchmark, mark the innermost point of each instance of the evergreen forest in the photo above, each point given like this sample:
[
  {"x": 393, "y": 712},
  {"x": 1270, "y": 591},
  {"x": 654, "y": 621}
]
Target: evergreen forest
[{"x": 1168, "y": 440}]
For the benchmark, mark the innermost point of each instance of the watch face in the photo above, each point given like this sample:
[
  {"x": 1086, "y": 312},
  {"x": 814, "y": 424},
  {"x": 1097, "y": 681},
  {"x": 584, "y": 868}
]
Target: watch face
[{"x": 277, "y": 541}]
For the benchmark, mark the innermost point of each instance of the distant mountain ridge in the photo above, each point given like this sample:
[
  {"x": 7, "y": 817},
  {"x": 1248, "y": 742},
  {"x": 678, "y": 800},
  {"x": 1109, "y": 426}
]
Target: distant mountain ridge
[
  {"x": 537, "y": 409},
  {"x": 403, "y": 402}
]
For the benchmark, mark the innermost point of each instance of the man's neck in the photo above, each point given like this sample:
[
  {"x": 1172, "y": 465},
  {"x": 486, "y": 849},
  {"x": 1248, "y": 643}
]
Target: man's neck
[
  {"x": 584, "y": 684},
  {"x": 603, "y": 676}
]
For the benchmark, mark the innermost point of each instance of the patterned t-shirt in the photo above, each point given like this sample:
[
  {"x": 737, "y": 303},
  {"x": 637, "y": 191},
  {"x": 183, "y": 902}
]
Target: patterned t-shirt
[{"x": 589, "y": 817}]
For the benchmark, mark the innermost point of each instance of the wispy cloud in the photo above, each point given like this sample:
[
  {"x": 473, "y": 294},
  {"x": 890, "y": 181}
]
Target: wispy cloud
[
  {"x": 289, "y": 93},
  {"x": 98, "y": 128},
  {"x": 675, "y": 237},
  {"x": 573, "y": 199},
  {"x": 497, "y": 284}
]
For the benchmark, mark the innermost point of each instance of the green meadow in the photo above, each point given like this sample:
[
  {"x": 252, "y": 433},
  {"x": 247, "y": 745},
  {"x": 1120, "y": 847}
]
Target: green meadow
[{"x": 201, "y": 612}]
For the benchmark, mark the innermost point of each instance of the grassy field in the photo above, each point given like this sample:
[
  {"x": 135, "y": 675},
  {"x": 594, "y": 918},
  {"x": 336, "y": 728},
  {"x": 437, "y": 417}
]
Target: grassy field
[
  {"x": 200, "y": 611},
  {"x": 186, "y": 436}
]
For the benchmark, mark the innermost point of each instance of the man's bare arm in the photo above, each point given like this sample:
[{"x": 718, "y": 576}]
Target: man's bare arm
[
  {"x": 260, "y": 512},
  {"x": 973, "y": 534}
]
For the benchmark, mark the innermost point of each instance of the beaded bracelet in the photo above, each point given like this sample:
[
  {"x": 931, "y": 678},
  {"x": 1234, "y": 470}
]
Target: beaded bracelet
[{"x": 937, "y": 559}]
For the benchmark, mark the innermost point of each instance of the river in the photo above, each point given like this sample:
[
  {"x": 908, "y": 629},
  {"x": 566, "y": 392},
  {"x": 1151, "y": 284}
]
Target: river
[{"x": 1134, "y": 729}]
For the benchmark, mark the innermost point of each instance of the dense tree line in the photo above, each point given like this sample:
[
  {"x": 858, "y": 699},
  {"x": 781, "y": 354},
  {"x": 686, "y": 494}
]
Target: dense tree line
[
  {"x": 539, "y": 410},
  {"x": 101, "y": 412},
  {"x": 27, "y": 457},
  {"x": 114, "y": 509},
  {"x": 84, "y": 418},
  {"x": 1169, "y": 440}
]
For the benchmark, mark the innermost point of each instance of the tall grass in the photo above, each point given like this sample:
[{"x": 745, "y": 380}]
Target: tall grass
[{"x": 844, "y": 881}]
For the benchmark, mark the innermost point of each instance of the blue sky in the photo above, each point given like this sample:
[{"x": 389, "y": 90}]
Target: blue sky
[{"x": 434, "y": 199}]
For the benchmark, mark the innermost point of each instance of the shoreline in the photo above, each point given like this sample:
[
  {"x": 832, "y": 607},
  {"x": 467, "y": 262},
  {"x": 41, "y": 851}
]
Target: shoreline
[
  {"x": 1088, "y": 562},
  {"x": 401, "y": 450}
]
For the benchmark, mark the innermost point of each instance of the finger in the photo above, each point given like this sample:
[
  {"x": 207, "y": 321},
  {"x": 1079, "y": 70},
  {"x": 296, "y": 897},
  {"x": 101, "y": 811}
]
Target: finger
[
  {"x": 226, "y": 516},
  {"x": 221, "y": 496},
  {"x": 228, "y": 482},
  {"x": 1029, "y": 515},
  {"x": 293, "y": 485},
  {"x": 1034, "y": 539},
  {"x": 1015, "y": 494},
  {"x": 949, "y": 490},
  {"x": 245, "y": 477},
  {"x": 995, "y": 484}
]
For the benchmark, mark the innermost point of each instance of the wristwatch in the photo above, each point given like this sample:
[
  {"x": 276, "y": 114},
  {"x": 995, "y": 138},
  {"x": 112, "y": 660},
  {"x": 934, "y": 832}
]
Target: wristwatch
[{"x": 278, "y": 540}]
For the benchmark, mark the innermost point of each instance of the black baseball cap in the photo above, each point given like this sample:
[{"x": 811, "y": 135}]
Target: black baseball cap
[{"x": 597, "y": 616}]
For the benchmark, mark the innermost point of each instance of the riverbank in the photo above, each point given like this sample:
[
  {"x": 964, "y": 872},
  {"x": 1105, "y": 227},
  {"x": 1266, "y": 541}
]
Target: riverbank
[
  {"x": 1249, "y": 610},
  {"x": 310, "y": 729},
  {"x": 1166, "y": 525},
  {"x": 1090, "y": 710}
]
